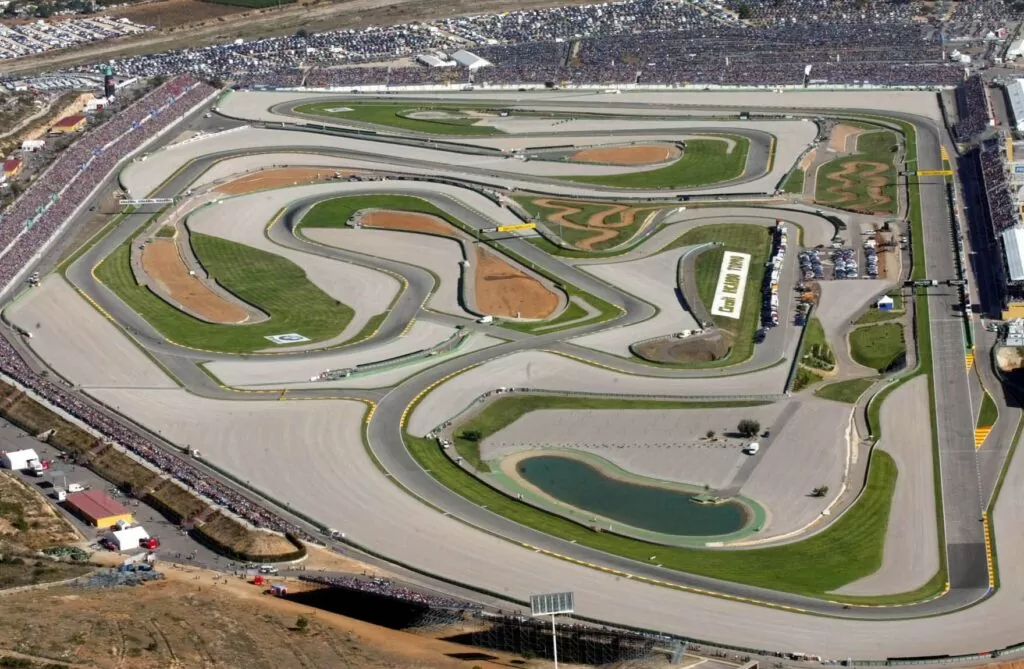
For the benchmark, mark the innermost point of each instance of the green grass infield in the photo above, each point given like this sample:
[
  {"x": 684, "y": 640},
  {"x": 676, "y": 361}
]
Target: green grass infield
[
  {"x": 705, "y": 161},
  {"x": 988, "y": 414},
  {"x": 845, "y": 391},
  {"x": 877, "y": 346},
  {"x": 849, "y": 549},
  {"x": 398, "y": 115},
  {"x": 335, "y": 213},
  {"x": 872, "y": 147},
  {"x": 267, "y": 281}
]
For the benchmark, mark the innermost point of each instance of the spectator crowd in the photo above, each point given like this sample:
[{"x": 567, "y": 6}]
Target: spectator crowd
[
  {"x": 1002, "y": 209},
  {"x": 386, "y": 588},
  {"x": 973, "y": 113},
  {"x": 658, "y": 42}
]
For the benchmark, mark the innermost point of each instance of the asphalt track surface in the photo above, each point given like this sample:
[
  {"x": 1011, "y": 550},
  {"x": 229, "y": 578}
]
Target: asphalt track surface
[{"x": 515, "y": 571}]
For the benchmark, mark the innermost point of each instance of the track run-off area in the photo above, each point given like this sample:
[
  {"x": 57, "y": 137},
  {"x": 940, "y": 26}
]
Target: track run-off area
[{"x": 377, "y": 320}]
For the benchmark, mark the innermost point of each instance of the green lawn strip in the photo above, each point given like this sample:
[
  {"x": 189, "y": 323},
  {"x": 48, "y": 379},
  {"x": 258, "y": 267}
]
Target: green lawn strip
[
  {"x": 705, "y": 161},
  {"x": 805, "y": 378},
  {"x": 989, "y": 413},
  {"x": 995, "y": 496},
  {"x": 845, "y": 391},
  {"x": 506, "y": 410},
  {"x": 849, "y": 549},
  {"x": 397, "y": 115},
  {"x": 875, "y": 146},
  {"x": 875, "y": 315},
  {"x": 165, "y": 231},
  {"x": 293, "y": 303},
  {"x": 742, "y": 238},
  {"x": 816, "y": 351},
  {"x": 794, "y": 183},
  {"x": 877, "y": 346}
]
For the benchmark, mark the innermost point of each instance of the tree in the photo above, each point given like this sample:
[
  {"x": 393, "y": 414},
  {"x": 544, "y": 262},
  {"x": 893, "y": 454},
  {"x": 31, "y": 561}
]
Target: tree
[
  {"x": 302, "y": 33},
  {"x": 748, "y": 427},
  {"x": 820, "y": 491},
  {"x": 11, "y": 9},
  {"x": 744, "y": 11},
  {"x": 711, "y": 434},
  {"x": 302, "y": 624},
  {"x": 471, "y": 435}
]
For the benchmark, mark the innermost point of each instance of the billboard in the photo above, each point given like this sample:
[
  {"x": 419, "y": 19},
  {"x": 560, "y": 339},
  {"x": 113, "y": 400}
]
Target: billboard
[
  {"x": 732, "y": 283},
  {"x": 518, "y": 226}
]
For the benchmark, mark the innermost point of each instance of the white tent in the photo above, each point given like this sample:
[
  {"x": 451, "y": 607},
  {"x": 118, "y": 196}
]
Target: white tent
[
  {"x": 18, "y": 460},
  {"x": 469, "y": 60},
  {"x": 128, "y": 538}
]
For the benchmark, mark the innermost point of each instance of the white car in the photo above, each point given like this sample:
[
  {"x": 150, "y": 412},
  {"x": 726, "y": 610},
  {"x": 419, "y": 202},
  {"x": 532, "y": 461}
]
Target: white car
[{"x": 752, "y": 449}]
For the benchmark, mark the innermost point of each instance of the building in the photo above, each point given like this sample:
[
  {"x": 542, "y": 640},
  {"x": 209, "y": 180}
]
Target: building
[
  {"x": 1015, "y": 98},
  {"x": 129, "y": 538},
  {"x": 69, "y": 124},
  {"x": 32, "y": 145},
  {"x": 95, "y": 104},
  {"x": 470, "y": 61},
  {"x": 18, "y": 460},
  {"x": 434, "y": 61},
  {"x": 13, "y": 167},
  {"x": 97, "y": 508}
]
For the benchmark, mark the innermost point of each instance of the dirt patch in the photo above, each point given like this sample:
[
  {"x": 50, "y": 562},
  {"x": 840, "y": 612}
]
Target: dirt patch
[
  {"x": 841, "y": 135},
  {"x": 641, "y": 154},
  {"x": 170, "y": 13},
  {"x": 598, "y": 222},
  {"x": 808, "y": 160},
  {"x": 280, "y": 178},
  {"x": 27, "y": 518},
  {"x": 508, "y": 292},
  {"x": 707, "y": 348},
  {"x": 872, "y": 175},
  {"x": 1009, "y": 358},
  {"x": 407, "y": 221},
  {"x": 197, "y": 618},
  {"x": 162, "y": 262}
]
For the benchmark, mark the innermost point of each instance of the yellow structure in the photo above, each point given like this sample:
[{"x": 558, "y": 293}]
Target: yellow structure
[
  {"x": 98, "y": 509},
  {"x": 13, "y": 167},
  {"x": 1013, "y": 310},
  {"x": 517, "y": 226},
  {"x": 68, "y": 124},
  {"x": 935, "y": 173}
]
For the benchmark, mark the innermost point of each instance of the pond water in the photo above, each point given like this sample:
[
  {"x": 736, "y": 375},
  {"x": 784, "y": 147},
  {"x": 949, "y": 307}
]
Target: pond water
[{"x": 647, "y": 507}]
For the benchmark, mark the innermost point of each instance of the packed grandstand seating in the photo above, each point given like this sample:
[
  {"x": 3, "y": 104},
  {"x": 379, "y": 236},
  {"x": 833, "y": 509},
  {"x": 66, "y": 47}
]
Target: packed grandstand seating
[
  {"x": 50, "y": 201},
  {"x": 1002, "y": 210},
  {"x": 646, "y": 41},
  {"x": 972, "y": 109},
  {"x": 388, "y": 588}
]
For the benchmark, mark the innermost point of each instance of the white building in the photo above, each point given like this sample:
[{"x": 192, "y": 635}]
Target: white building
[
  {"x": 32, "y": 145},
  {"x": 434, "y": 61},
  {"x": 1015, "y": 94},
  {"x": 18, "y": 460},
  {"x": 129, "y": 538},
  {"x": 470, "y": 61}
]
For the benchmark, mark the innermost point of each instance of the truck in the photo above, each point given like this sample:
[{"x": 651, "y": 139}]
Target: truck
[
  {"x": 36, "y": 468},
  {"x": 485, "y": 319}
]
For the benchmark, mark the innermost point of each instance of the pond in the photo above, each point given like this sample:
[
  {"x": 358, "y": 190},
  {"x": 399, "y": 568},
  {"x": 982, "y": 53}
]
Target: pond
[{"x": 648, "y": 507}]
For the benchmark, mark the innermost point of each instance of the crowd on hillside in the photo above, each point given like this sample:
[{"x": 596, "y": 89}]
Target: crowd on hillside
[
  {"x": 388, "y": 588},
  {"x": 974, "y": 115},
  {"x": 645, "y": 41},
  {"x": 1002, "y": 210},
  {"x": 47, "y": 204}
]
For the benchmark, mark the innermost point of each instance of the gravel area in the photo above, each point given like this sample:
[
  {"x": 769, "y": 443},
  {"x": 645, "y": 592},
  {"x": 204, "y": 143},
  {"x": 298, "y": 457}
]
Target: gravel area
[
  {"x": 549, "y": 371},
  {"x": 911, "y": 541},
  {"x": 654, "y": 279},
  {"x": 440, "y": 256},
  {"x": 262, "y": 372},
  {"x": 80, "y": 343},
  {"x": 808, "y": 451},
  {"x": 242, "y": 219},
  {"x": 671, "y": 445},
  {"x": 842, "y": 300}
]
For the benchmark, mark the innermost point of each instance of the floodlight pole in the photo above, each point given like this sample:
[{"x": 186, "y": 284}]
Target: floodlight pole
[{"x": 554, "y": 641}]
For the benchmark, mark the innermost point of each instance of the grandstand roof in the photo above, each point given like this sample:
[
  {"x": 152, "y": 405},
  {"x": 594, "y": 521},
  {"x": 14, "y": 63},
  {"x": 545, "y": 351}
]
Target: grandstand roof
[
  {"x": 1013, "y": 243},
  {"x": 434, "y": 61},
  {"x": 1015, "y": 92},
  {"x": 469, "y": 60}
]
